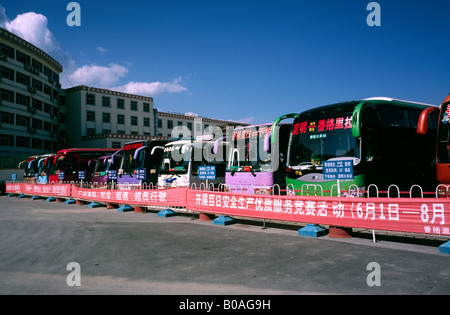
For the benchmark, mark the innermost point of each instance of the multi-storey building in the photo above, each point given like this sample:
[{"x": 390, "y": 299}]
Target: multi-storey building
[
  {"x": 167, "y": 121},
  {"x": 103, "y": 118},
  {"x": 95, "y": 117},
  {"x": 29, "y": 95},
  {"x": 38, "y": 117}
]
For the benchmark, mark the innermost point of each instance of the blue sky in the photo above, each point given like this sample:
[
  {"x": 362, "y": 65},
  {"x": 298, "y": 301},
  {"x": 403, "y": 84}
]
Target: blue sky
[{"x": 246, "y": 60}]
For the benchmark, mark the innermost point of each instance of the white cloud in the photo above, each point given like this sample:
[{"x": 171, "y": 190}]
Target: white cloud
[
  {"x": 33, "y": 27},
  {"x": 101, "y": 50},
  {"x": 152, "y": 88},
  {"x": 247, "y": 120},
  {"x": 98, "y": 76}
]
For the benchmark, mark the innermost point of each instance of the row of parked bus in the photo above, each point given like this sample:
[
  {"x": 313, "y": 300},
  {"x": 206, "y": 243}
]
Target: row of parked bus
[{"x": 389, "y": 142}]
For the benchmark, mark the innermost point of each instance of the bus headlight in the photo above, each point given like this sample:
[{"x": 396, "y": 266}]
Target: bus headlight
[
  {"x": 356, "y": 192},
  {"x": 263, "y": 191},
  {"x": 442, "y": 192}
]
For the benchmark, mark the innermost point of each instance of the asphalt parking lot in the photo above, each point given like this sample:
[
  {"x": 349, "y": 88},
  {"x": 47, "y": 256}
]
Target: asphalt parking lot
[{"x": 55, "y": 248}]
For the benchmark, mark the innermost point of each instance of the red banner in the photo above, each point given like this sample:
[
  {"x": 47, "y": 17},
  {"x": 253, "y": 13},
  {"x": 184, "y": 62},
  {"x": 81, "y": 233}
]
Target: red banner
[
  {"x": 175, "y": 197},
  {"x": 14, "y": 188},
  {"x": 59, "y": 190},
  {"x": 413, "y": 215},
  {"x": 416, "y": 215}
]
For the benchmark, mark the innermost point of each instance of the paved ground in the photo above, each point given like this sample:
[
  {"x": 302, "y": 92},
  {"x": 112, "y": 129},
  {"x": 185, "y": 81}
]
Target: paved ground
[{"x": 132, "y": 253}]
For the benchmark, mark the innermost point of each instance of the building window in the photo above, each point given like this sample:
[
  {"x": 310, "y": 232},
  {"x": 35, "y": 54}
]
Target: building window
[
  {"x": 37, "y": 123},
  {"x": 159, "y": 123},
  {"x": 22, "y": 142},
  {"x": 106, "y": 118},
  {"x": 7, "y": 50},
  {"x": 47, "y": 126},
  {"x": 120, "y": 103},
  {"x": 37, "y": 104},
  {"x": 22, "y": 121},
  {"x": 7, "y": 118},
  {"x": 116, "y": 145},
  {"x": 147, "y": 107},
  {"x": 37, "y": 84},
  {"x": 146, "y": 122},
  {"x": 90, "y": 116},
  {"x": 22, "y": 78},
  {"x": 21, "y": 57},
  {"x": 7, "y": 140},
  {"x": 170, "y": 124},
  {"x": 121, "y": 119},
  {"x": 134, "y": 121},
  {"x": 47, "y": 108},
  {"x": 7, "y": 73},
  {"x": 48, "y": 72},
  {"x": 36, "y": 143},
  {"x": 47, "y": 89},
  {"x": 7, "y": 95},
  {"x": 90, "y": 99},
  {"x": 179, "y": 123},
  {"x": 106, "y": 101},
  {"x": 133, "y": 105},
  {"x": 90, "y": 131},
  {"x": 37, "y": 65},
  {"x": 189, "y": 125}
]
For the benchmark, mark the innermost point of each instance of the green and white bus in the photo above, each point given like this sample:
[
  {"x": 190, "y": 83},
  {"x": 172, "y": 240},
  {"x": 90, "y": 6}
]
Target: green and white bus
[{"x": 377, "y": 134}]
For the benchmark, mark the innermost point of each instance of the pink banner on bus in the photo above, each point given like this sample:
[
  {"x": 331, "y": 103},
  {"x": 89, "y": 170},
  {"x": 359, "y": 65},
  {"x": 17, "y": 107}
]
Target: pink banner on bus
[
  {"x": 416, "y": 215},
  {"x": 60, "y": 190},
  {"x": 175, "y": 197}
]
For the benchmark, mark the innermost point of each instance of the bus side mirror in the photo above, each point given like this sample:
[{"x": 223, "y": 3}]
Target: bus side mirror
[
  {"x": 357, "y": 125},
  {"x": 267, "y": 142},
  {"x": 422, "y": 124},
  {"x": 156, "y": 148},
  {"x": 136, "y": 153},
  {"x": 216, "y": 144}
]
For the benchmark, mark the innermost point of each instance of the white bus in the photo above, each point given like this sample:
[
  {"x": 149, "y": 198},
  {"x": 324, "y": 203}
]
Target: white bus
[{"x": 182, "y": 159}]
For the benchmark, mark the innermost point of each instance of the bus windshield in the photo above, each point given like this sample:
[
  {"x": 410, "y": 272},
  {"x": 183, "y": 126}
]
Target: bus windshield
[
  {"x": 102, "y": 166},
  {"x": 315, "y": 140},
  {"x": 67, "y": 164},
  {"x": 32, "y": 167},
  {"x": 175, "y": 159},
  {"x": 249, "y": 150},
  {"x": 45, "y": 165},
  {"x": 129, "y": 163}
]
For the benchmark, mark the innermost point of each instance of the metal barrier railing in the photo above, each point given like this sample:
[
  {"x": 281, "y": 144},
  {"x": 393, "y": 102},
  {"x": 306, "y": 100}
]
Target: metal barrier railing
[{"x": 393, "y": 191}]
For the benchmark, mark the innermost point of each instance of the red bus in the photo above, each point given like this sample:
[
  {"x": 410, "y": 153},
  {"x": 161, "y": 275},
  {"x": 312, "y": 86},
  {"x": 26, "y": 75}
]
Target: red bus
[
  {"x": 30, "y": 168},
  {"x": 69, "y": 162},
  {"x": 442, "y": 142}
]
